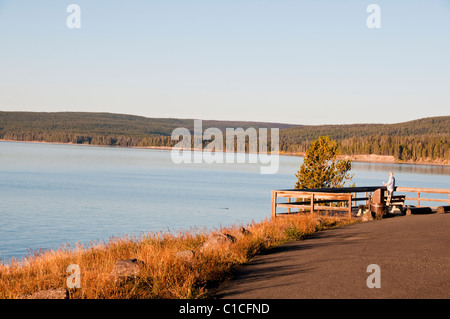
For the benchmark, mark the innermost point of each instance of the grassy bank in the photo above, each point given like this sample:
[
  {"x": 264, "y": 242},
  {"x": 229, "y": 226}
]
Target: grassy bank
[{"x": 162, "y": 273}]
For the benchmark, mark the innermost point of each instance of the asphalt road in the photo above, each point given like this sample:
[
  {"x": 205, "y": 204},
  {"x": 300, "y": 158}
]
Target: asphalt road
[{"x": 412, "y": 252}]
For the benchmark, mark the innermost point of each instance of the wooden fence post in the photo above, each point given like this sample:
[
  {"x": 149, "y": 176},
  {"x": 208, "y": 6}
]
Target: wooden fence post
[
  {"x": 350, "y": 206},
  {"x": 274, "y": 204}
]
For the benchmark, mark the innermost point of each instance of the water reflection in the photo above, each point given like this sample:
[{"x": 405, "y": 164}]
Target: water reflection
[
  {"x": 291, "y": 162},
  {"x": 402, "y": 168}
]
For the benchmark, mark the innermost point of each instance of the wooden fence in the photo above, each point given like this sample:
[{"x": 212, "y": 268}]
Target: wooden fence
[
  {"x": 327, "y": 198},
  {"x": 311, "y": 201},
  {"x": 418, "y": 191}
]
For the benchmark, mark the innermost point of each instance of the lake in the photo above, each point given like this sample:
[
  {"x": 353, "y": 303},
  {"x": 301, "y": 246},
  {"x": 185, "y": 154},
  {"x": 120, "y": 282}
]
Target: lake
[{"x": 56, "y": 194}]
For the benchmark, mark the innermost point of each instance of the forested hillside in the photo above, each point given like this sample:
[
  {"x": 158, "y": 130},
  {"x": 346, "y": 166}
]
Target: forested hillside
[
  {"x": 103, "y": 128},
  {"x": 423, "y": 140}
]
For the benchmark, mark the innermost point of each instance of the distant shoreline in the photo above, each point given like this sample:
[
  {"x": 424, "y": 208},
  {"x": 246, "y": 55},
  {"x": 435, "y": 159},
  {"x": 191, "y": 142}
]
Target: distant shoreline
[{"x": 361, "y": 158}]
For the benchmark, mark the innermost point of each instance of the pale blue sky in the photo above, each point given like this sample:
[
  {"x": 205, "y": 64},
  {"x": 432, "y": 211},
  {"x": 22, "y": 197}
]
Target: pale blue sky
[{"x": 300, "y": 62}]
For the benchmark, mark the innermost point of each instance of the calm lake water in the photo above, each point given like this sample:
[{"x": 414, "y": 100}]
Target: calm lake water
[{"x": 55, "y": 194}]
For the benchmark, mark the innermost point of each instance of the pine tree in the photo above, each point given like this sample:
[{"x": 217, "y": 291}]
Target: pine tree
[{"x": 320, "y": 167}]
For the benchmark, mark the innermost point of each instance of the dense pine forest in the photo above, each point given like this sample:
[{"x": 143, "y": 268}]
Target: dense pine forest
[{"x": 422, "y": 140}]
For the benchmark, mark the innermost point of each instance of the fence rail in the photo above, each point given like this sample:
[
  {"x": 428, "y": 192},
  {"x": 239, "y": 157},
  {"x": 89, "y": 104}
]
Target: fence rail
[
  {"x": 419, "y": 190},
  {"x": 311, "y": 200},
  {"x": 316, "y": 199}
]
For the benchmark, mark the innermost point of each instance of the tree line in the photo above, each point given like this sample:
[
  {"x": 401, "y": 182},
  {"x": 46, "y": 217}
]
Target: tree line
[
  {"x": 425, "y": 139},
  {"x": 404, "y": 148}
]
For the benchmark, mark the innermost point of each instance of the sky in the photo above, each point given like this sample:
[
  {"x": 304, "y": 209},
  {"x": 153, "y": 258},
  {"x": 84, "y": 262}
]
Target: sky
[{"x": 289, "y": 61}]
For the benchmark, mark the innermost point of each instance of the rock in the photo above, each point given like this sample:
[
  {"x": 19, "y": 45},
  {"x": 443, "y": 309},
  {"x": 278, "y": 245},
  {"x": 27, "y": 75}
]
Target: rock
[
  {"x": 366, "y": 216},
  {"x": 126, "y": 268},
  {"x": 186, "y": 255},
  {"x": 443, "y": 209},
  {"x": 217, "y": 239},
  {"x": 52, "y": 293}
]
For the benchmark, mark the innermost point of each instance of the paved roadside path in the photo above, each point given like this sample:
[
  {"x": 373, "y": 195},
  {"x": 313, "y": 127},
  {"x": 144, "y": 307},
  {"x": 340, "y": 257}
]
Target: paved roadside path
[{"x": 413, "y": 253}]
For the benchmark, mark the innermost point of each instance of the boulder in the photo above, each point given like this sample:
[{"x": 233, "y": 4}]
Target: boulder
[
  {"x": 366, "y": 216},
  {"x": 217, "y": 239},
  {"x": 126, "y": 268},
  {"x": 52, "y": 293},
  {"x": 186, "y": 255}
]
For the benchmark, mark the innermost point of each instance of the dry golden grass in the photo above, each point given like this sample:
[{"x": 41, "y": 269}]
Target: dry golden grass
[{"x": 163, "y": 274}]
